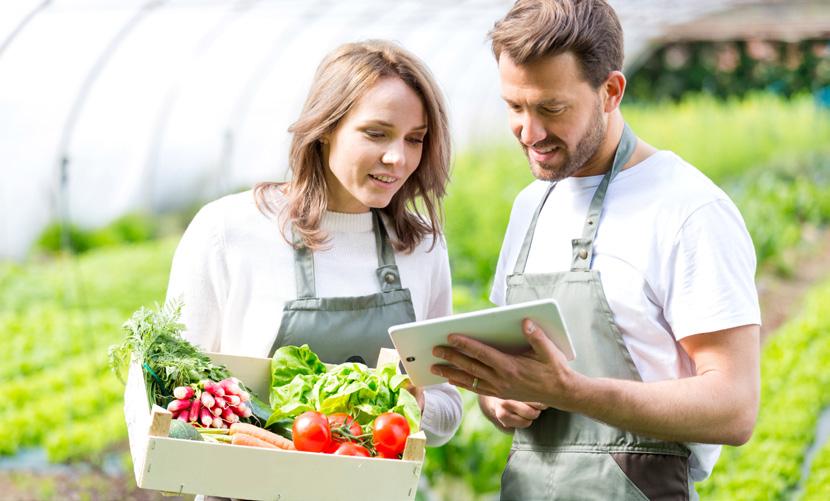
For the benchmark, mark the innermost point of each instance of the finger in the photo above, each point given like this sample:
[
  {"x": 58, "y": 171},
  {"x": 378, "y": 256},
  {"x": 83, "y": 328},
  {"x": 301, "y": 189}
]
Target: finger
[
  {"x": 540, "y": 342},
  {"x": 521, "y": 409},
  {"x": 537, "y": 405},
  {"x": 476, "y": 350},
  {"x": 511, "y": 420},
  {"x": 461, "y": 361}
]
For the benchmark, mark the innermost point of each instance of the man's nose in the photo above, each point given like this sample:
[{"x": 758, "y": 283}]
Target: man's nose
[{"x": 532, "y": 130}]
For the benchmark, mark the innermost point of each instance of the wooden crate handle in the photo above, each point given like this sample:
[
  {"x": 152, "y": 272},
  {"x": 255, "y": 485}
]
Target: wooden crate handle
[
  {"x": 415, "y": 447},
  {"x": 389, "y": 356},
  {"x": 160, "y": 422}
]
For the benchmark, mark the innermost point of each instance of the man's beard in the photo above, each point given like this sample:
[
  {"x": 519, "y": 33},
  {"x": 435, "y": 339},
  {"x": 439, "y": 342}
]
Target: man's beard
[{"x": 585, "y": 149}]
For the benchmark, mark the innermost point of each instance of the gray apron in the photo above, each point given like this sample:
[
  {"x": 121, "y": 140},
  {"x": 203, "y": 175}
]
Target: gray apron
[
  {"x": 341, "y": 329},
  {"x": 570, "y": 456}
]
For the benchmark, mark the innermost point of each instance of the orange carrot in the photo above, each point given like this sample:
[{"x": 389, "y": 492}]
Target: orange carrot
[
  {"x": 261, "y": 434},
  {"x": 250, "y": 440}
]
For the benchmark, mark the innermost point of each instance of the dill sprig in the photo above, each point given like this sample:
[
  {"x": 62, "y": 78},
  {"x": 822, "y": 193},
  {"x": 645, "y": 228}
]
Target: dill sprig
[{"x": 153, "y": 339}]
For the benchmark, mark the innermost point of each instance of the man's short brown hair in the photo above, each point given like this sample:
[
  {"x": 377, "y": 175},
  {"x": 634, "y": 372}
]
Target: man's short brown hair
[{"x": 589, "y": 29}]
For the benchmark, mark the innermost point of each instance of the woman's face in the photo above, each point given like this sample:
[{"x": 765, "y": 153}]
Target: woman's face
[{"x": 375, "y": 147}]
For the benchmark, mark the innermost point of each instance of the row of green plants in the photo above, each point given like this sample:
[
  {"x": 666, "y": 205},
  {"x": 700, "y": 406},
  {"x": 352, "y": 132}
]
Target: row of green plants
[
  {"x": 793, "y": 394},
  {"x": 817, "y": 487}
]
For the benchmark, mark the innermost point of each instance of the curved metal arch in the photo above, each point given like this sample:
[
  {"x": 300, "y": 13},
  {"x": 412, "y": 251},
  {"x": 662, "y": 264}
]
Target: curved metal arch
[{"x": 23, "y": 22}]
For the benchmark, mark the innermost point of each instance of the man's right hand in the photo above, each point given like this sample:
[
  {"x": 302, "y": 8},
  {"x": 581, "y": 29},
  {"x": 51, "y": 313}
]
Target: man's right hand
[{"x": 508, "y": 415}]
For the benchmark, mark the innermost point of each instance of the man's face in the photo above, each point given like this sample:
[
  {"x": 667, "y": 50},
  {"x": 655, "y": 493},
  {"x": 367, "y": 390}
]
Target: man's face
[{"x": 555, "y": 114}]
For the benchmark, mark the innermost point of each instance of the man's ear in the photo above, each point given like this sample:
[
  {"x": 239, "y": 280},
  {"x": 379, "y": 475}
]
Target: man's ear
[{"x": 614, "y": 87}]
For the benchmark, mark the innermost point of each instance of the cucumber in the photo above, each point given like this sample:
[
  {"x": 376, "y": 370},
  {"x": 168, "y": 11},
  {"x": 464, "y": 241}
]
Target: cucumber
[{"x": 184, "y": 431}]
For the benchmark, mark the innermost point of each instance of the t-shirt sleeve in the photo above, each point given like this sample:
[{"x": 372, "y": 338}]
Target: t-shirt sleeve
[
  {"x": 710, "y": 273},
  {"x": 198, "y": 277}
]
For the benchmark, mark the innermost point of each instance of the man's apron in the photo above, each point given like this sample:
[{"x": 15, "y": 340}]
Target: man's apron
[
  {"x": 570, "y": 456},
  {"x": 349, "y": 328}
]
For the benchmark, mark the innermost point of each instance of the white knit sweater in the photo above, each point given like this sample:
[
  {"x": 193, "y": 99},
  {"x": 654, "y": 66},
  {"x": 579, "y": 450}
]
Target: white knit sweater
[{"x": 234, "y": 271}]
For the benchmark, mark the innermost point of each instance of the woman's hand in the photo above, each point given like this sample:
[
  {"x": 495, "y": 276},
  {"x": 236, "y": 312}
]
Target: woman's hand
[{"x": 418, "y": 393}]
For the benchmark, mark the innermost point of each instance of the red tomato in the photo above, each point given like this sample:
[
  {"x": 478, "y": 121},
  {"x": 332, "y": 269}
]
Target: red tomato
[
  {"x": 385, "y": 455},
  {"x": 389, "y": 435},
  {"x": 311, "y": 432},
  {"x": 340, "y": 419},
  {"x": 351, "y": 449}
]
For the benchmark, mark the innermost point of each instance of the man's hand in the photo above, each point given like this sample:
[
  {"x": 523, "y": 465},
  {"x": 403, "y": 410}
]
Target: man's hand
[
  {"x": 508, "y": 415},
  {"x": 541, "y": 374}
]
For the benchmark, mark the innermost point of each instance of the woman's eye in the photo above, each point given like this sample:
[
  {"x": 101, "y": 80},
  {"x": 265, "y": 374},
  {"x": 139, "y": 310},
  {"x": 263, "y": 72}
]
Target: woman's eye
[
  {"x": 416, "y": 140},
  {"x": 374, "y": 134}
]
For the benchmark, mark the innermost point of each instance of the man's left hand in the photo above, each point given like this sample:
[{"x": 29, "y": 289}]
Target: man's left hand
[{"x": 540, "y": 374}]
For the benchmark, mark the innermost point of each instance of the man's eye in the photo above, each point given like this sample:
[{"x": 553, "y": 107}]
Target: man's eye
[{"x": 553, "y": 111}]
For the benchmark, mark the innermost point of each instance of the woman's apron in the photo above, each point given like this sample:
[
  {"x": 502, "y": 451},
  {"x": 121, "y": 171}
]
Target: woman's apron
[
  {"x": 570, "y": 456},
  {"x": 348, "y": 328}
]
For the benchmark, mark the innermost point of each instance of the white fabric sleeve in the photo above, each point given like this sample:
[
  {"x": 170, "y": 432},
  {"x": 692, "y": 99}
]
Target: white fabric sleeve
[
  {"x": 198, "y": 277},
  {"x": 709, "y": 278},
  {"x": 442, "y": 403}
]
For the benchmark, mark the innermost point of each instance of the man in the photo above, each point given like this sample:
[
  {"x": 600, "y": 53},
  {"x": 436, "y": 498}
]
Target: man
[{"x": 651, "y": 265}]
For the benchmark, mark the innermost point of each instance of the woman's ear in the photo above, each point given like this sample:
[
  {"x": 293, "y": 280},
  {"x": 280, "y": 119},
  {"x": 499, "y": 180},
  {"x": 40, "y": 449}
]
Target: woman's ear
[{"x": 614, "y": 88}]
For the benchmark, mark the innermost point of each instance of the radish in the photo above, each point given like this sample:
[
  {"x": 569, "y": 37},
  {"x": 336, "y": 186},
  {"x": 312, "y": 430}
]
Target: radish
[
  {"x": 229, "y": 416},
  {"x": 231, "y": 386},
  {"x": 184, "y": 392},
  {"x": 177, "y": 406},
  {"x": 245, "y": 396},
  {"x": 213, "y": 388},
  {"x": 221, "y": 402},
  {"x": 205, "y": 417},
  {"x": 183, "y": 416},
  {"x": 216, "y": 411},
  {"x": 217, "y": 422},
  {"x": 233, "y": 400},
  {"x": 195, "y": 409},
  {"x": 208, "y": 400},
  {"x": 243, "y": 411}
]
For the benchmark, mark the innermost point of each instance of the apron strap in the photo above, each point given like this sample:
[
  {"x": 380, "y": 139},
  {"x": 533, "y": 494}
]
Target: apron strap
[
  {"x": 303, "y": 268},
  {"x": 387, "y": 272},
  {"x": 521, "y": 261},
  {"x": 583, "y": 248}
]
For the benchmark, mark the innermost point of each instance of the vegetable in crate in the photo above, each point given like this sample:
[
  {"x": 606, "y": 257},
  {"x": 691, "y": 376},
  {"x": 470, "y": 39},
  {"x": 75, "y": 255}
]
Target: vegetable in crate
[
  {"x": 154, "y": 339},
  {"x": 300, "y": 382}
]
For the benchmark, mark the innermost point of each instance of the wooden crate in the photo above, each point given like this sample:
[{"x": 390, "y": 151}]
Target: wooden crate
[{"x": 193, "y": 467}]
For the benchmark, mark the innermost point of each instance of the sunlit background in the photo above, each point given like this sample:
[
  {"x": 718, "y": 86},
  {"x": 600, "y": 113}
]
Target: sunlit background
[{"x": 119, "y": 119}]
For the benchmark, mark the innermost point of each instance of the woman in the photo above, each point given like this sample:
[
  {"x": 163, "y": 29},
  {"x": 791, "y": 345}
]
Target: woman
[{"x": 350, "y": 245}]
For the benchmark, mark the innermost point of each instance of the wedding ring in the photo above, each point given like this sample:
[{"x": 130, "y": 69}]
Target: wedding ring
[{"x": 475, "y": 383}]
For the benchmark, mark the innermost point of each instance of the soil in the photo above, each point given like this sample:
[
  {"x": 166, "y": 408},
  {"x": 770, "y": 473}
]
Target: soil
[{"x": 781, "y": 297}]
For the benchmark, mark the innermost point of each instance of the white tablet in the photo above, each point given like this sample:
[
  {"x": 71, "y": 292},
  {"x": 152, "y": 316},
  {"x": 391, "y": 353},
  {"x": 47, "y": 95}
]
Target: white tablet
[{"x": 499, "y": 327}]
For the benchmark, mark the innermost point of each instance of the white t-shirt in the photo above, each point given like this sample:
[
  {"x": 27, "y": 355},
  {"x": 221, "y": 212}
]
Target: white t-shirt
[
  {"x": 673, "y": 253},
  {"x": 234, "y": 271}
]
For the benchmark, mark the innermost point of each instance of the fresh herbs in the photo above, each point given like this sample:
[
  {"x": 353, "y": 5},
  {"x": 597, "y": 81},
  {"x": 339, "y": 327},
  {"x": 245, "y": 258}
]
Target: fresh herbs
[{"x": 154, "y": 340}]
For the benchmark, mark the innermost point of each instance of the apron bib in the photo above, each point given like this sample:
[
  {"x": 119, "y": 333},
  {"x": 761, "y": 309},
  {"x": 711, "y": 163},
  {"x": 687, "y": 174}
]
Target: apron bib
[
  {"x": 341, "y": 329},
  {"x": 571, "y": 456}
]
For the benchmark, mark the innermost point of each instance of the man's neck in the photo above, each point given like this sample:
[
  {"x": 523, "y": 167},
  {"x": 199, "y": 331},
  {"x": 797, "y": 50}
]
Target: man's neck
[{"x": 601, "y": 162}]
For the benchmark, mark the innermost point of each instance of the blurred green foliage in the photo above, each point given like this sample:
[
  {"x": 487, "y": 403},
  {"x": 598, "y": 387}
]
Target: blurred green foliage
[
  {"x": 127, "y": 229},
  {"x": 732, "y": 68}
]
